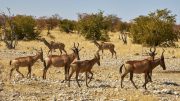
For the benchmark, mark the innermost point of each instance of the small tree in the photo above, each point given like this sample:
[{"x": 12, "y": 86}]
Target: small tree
[
  {"x": 113, "y": 23},
  {"x": 1, "y": 21},
  {"x": 124, "y": 31},
  {"x": 8, "y": 34},
  {"x": 154, "y": 29},
  {"x": 41, "y": 23},
  {"x": 67, "y": 25},
  {"x": 25, "y": 27},
  {"x": 93, "y": 26},
  {"x": 52, "y": 22}
]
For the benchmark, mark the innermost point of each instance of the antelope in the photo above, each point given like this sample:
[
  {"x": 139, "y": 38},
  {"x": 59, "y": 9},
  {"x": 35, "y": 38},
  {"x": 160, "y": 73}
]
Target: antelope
[
  {"x": 54, "y": 45},
  {"x": 152, "y": 55},
  {"x": 27, "y": 61},
  {"x": 61, "y": 60},
  {"x": 84, "y": 66},
  {"x": 142, "y": 66},
  {"x": 105, "y": 46}
]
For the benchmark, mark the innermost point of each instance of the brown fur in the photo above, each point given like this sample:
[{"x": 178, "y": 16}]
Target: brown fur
[
  {"x": 27, "y": 61},
  {"x": 54, "y": 45},
  {"x": 105, "y": 46},
  {"x": 141, "y": 66},
  {"x": 84, "y": 66},
  {"x": 60, "y": 61}
]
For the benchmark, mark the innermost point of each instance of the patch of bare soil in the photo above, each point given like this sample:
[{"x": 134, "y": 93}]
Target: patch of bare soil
[{"x": 104, "y": 86}]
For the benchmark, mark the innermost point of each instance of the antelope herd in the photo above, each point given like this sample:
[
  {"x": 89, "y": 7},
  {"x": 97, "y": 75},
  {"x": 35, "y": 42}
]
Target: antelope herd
[{"x": 72, "y": 62}]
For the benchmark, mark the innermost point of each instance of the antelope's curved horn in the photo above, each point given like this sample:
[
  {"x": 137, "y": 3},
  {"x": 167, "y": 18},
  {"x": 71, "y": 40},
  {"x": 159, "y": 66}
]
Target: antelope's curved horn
[
  {"x": 74, "y": 45},
  {"x": 35, "y": 49},
  {"x": 150, "y": 49},
  {"x": 163, "y": 53},
  {"x": 154, "y": 49},
  {"x": 78, "y": 45},
  {"x": 81, "y": 48}
]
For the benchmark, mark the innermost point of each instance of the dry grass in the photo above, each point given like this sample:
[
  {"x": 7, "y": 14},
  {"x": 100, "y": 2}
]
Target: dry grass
[
  {"x": 68, "y": 39},
  {"x": 88, "y": 52}
]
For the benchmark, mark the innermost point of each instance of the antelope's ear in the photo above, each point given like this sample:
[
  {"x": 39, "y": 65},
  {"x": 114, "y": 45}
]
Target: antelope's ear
[
  {"x": 74, "y": 45},
  {"x": 72, "y": 49},
  {"x": 155, "y": 54},
  {"x": 97, "y": 54},
  {"x": 80, "y": 49},
  {"x": 35, "y": 49}
]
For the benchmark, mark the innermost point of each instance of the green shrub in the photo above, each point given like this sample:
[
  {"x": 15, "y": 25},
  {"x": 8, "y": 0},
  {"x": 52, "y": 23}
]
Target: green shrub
[
  {"x": 67, "y": 25},
  {"x": 154, "y": 29},
  {"x": 93, "y": 26},
  {"x": 24, "y": 27}
]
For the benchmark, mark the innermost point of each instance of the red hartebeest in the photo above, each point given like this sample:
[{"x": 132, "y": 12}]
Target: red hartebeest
[
  {"x": 141, "y": 66},
  {"x": 105, "y": 46},
  {"x": 61, "y": 60},
  {"x": 84, "y": 66},
  {"x": 54, "y": 45},
  {"x": 27, "y": 61}
]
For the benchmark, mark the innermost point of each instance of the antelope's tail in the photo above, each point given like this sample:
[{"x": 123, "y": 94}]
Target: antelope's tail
[{"x": 120, "y": 69}]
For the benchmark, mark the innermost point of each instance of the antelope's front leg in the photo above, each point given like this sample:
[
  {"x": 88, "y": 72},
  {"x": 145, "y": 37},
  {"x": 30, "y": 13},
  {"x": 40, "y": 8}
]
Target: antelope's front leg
[
  {"x": 60, "y": 51},
  {"x": 86, "y": 79},
  {"x": 44, "y": 73},
  {"x": 146, "y": 80},
  {"x": 29, "y": 72},
  {"x": 90, "y": 77},
  {"x": 150, "y": 76},
  {"x": 77, "y": 73}
]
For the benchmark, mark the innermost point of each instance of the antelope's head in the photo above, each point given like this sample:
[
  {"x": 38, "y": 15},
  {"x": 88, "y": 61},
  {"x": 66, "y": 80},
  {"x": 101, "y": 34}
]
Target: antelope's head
[
  {"x": 153, "y": 53},
  {"x": 97, "y": 58},
  {"x": 162, "y": 62},
  {"x": 76, "y": 50},
  {"x": 40, "y": 54}
]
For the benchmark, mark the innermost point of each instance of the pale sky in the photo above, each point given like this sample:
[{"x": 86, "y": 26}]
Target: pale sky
[{"x": 125, "y": 9}]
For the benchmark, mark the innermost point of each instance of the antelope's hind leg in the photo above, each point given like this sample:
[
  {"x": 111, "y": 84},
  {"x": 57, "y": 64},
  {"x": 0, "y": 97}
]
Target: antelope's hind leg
[
  {"x": 122, "y": 78},
  {"x": 86, "y": 79},
  {"x": 131, "y": 79},
  {"x": 11, "y": 71},
  {"x": 91, "y": 76},
  {"x": 17, "y": 69}
]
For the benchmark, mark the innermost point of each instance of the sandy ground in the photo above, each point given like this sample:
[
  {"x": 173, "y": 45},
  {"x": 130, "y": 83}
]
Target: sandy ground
[{"x": 106, "y": 81}]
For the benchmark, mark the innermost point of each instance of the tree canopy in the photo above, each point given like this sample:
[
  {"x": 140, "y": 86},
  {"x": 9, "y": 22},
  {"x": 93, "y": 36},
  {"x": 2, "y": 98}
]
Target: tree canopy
[{"x": 154, "y": 29}]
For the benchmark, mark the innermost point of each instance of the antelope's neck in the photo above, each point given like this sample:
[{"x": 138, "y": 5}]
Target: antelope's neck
[
  {"x": 35, "y": 58},
  {"x": 93, "y": 61},
  {"x": 155, "y": 63},
  {"x": 72, "y": 56},
  {"x": 97, "y": 44},
  {"x": 46, "y": 43}
]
